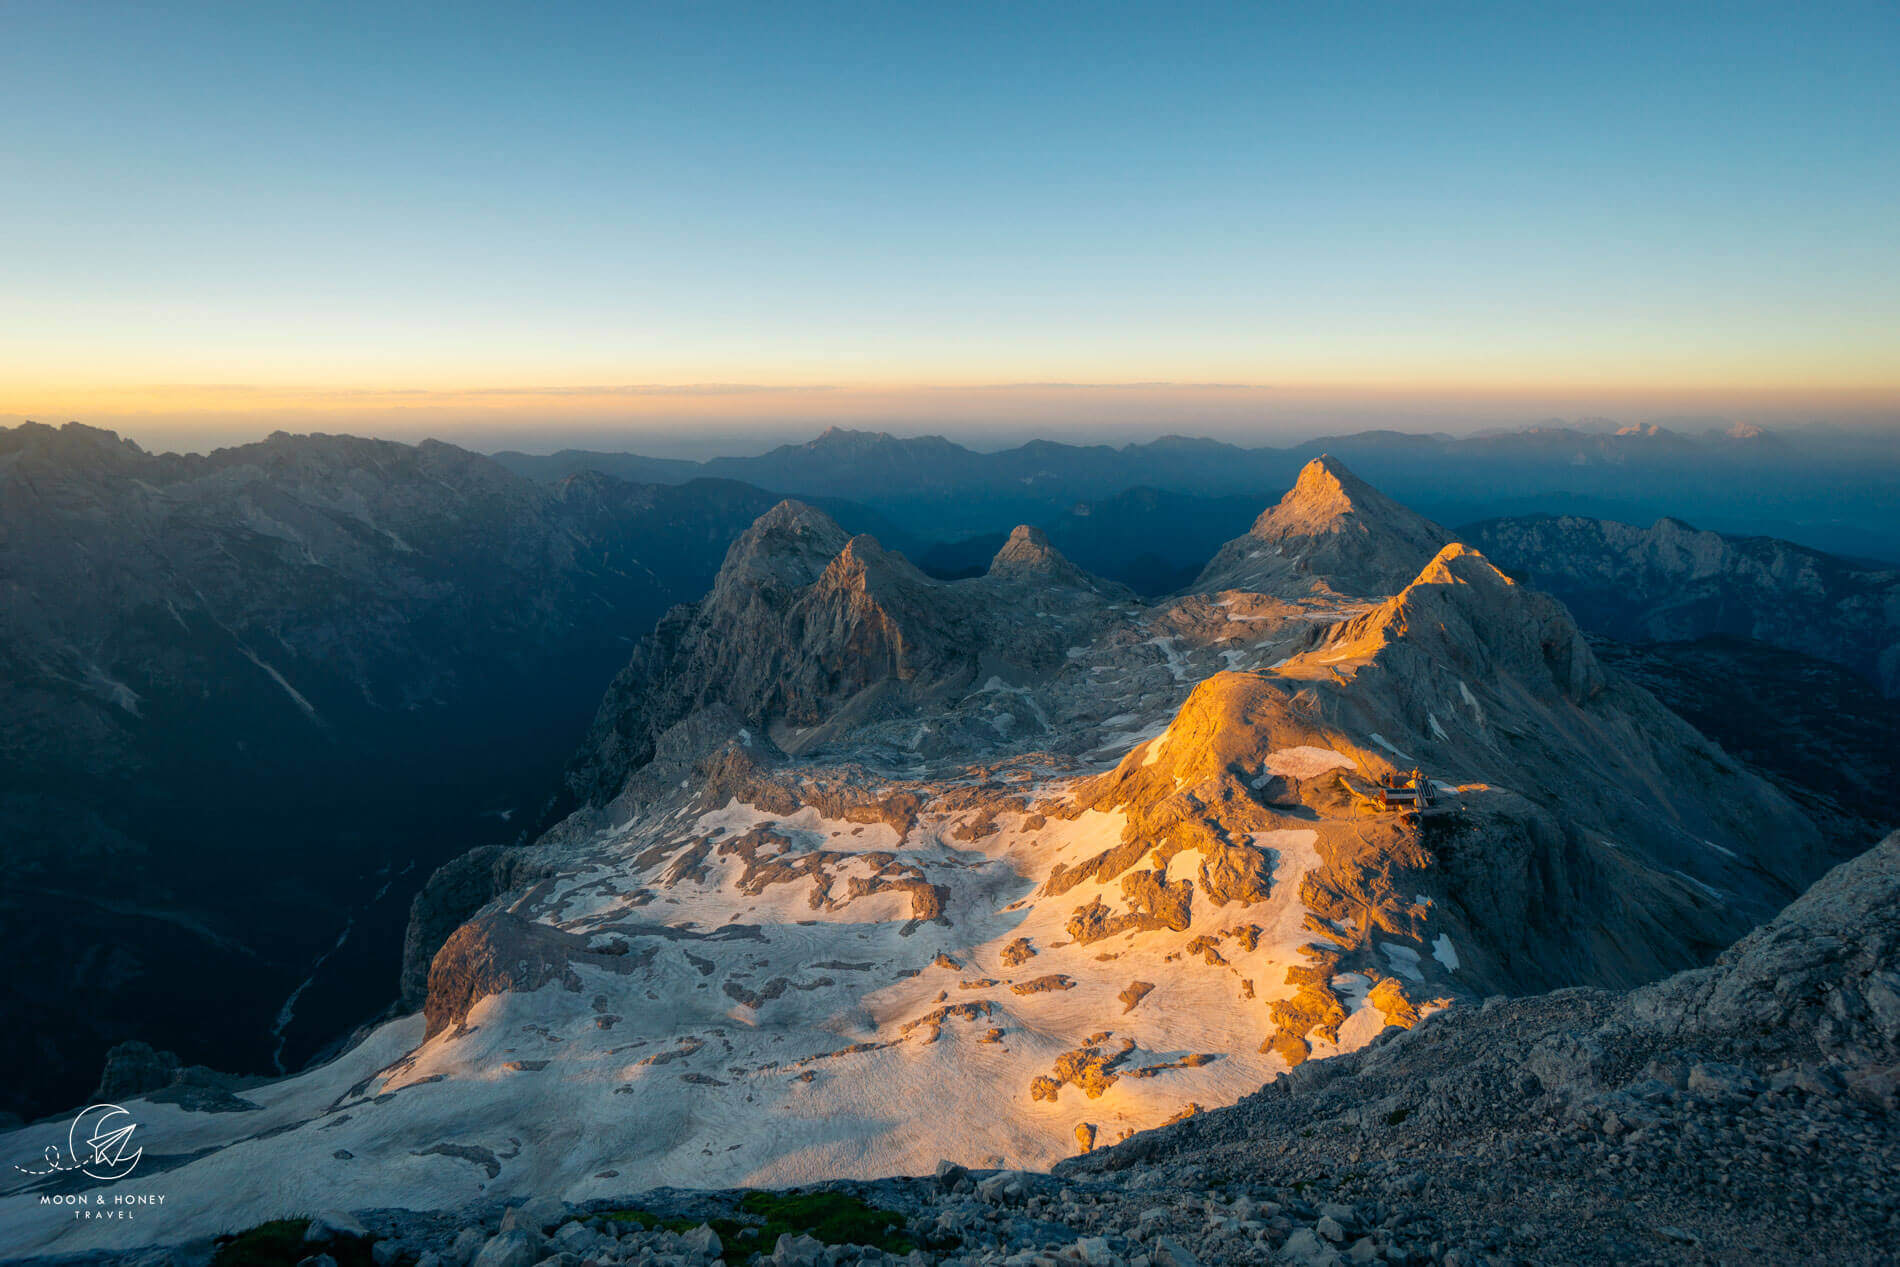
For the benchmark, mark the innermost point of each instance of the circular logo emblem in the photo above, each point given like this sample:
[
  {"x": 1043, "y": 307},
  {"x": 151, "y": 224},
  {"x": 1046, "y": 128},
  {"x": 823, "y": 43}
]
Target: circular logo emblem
[{"x": 101, "y": 1142}]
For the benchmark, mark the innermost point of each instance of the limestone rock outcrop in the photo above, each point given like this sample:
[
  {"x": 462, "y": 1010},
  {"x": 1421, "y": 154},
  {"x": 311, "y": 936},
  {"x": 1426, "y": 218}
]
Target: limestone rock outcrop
[
  {"x": 1332, "y": 532},
  {"x": 808, "y": 632}
]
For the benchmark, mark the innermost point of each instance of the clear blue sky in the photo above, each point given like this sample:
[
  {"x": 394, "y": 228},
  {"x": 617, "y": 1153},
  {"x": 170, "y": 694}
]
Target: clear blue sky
[{"x": 218, "y": 214}]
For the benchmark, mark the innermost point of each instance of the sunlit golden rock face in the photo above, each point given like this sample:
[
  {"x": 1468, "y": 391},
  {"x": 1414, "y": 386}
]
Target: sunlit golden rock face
[
  {"x": 1331, "y": 533},
  {"x": 1461, "y": 612}
]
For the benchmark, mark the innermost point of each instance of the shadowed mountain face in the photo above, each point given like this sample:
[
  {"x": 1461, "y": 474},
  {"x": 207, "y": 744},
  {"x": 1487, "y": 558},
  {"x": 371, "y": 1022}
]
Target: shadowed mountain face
[
  {"x": 1812, "y": 727},
  {"x": 866, "y": 868},
  {"x": 241, "y": 695},
  {"x": 1671, "y": 583},
  {"x": 808, "y": 633},
  {"x": 1152, "y": 541}
]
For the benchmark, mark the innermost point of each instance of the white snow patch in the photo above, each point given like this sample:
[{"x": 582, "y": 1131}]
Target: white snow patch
[
  {"x": 1352, "y": 987},
  {"x": 1437, "y": 729},
  {"x": 1306, "y": 762},
  {"x": 1443, "y": 952},
  {"x": 1381, "y": 740},
  {"x": 1476, "y": 711},
  {"x": 1404, "y": 960},
  {"x": 1177, "y": 663},
  {"x": 113, "y": 689},
  {"x": 1184, "y": 865},
  {"x": 1709, "y": 890},
  {"x": 278, "y": 678},
  {"x": 1125, "y": 741},
  {"x": 1285, "y": 838}
]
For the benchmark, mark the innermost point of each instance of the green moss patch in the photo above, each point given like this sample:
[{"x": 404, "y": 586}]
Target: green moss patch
[
  {"x": 280, "y": 1243},
  {"x": 647, "y": 1220},
  {"x": 835, "y": 1218}
]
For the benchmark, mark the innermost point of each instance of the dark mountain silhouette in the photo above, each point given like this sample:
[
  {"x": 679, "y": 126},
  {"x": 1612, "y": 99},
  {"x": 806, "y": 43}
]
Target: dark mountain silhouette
[
  {"x": 1833, "y": 490},
  {"x": 1671, "y": 582}
]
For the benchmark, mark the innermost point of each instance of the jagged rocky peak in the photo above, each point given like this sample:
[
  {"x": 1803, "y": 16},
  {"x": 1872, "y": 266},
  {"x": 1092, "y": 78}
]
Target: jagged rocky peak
[
  {"x": 863, "y": 564},
  {"x": 792, "y": 520},
  {"x": 1331, "y": 532},
  {"x": 1028, "y": 556},
  {"x": 812, "y": 637},
  {"x": 1027, "y": 546},
  {"x": 1328, "y": 497},
  {"x": 1459, "y": 564},
  {"x": 1464, "y": 613},
  {"x": 1325, "y": 491},
  {"x": 790, "y": 544}
]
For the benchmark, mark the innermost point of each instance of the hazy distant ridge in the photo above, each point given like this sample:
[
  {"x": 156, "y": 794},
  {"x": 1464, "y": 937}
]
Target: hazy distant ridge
[{"x": 1828, "y": 490}]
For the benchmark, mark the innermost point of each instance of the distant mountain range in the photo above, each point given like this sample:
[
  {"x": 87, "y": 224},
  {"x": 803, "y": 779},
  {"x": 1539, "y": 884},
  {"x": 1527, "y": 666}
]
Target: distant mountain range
[{"x": 1836, "y": 491}]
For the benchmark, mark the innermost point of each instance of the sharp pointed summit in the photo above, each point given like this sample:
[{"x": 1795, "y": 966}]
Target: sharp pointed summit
[
  {"x": 1027, "y": 549},
  {"x": 1463, "y": 612},
  {"x": 1327, "y": 486},
  {"x": 1331, "y": 532},
  {"x": 1027, "y": 556}
]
